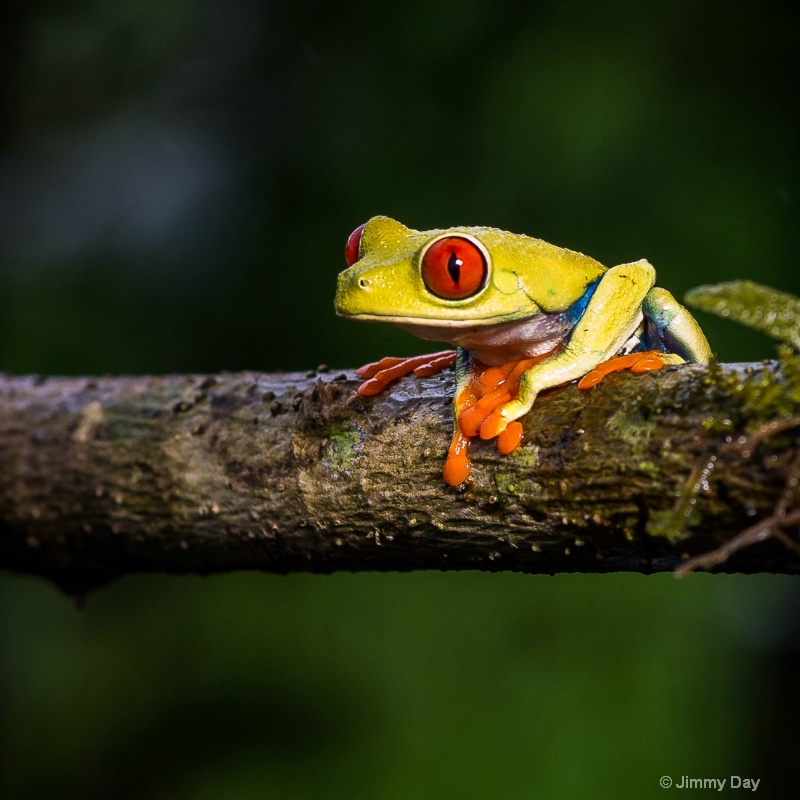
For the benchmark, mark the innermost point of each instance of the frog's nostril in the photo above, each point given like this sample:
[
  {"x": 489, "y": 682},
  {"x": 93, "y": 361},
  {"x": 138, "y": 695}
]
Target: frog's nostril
[{"x": 363, "y": 283}]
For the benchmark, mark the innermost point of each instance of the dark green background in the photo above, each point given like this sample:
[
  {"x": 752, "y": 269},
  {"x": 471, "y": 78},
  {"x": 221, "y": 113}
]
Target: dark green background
[{"x": 177, "y": 181}]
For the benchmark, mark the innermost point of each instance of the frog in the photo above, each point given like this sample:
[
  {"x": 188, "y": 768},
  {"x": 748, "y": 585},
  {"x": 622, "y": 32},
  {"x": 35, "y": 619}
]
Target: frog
[{"x": 521, "y": 316}]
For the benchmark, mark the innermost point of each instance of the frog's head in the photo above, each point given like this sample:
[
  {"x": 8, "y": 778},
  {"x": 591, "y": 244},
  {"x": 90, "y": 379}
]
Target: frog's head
[{"x": 458, "y": 277}]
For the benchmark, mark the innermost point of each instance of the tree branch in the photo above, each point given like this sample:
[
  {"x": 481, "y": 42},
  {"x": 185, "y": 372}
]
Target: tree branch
[{"x": 192, "y": 474}]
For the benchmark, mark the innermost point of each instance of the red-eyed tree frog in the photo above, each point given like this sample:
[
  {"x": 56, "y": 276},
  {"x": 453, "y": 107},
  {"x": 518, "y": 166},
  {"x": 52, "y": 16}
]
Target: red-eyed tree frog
[{"x": 524, "y": 316}]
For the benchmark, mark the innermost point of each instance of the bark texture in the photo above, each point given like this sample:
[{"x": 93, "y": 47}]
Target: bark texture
[{"x": 103, "y": 477}]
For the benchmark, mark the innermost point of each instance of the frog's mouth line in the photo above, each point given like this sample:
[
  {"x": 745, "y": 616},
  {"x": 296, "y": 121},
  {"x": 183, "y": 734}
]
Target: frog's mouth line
[{"x": 433, "y": 322}]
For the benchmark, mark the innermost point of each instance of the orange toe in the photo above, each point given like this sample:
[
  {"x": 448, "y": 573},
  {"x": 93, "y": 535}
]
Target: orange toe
[
  {"x": 649, "y": 364},
  {"x": 457, "y": 467},
  {"x": 493, "y": 425},
  {"x": 509, "y": 439},
  {"x": 435, "y": 363},
  {"x": 370, "y": 387}
]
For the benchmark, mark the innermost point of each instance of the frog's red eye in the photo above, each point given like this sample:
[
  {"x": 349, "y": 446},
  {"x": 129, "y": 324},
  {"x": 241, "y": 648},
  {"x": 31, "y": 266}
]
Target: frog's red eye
[
  {"x": 353, "y": 243},
  {"x": 454, "y": 268}
]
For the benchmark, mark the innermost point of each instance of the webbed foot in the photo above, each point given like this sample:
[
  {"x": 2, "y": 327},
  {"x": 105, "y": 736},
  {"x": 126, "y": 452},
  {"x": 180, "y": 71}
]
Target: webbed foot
[
  {"x": 478, "y": 408},
  {"x": 381, "y": 373},
  {"x": 648, "y": 361}
]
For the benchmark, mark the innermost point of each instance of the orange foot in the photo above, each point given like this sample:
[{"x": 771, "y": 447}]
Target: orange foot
[
  {"x": 383, "y": 372},
  {"x": 487, "y": 389},
  {"x": 648, "y": 361}
]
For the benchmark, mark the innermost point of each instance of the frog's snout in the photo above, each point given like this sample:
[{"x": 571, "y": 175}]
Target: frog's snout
[{"x": 350, "y": 294}]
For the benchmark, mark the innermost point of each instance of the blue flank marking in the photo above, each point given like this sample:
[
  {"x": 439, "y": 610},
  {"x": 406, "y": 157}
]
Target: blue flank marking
[{"x": 575, "y": 311}]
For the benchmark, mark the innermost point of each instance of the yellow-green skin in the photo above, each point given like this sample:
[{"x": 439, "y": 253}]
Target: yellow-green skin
[{"x": 537, "y": 297}]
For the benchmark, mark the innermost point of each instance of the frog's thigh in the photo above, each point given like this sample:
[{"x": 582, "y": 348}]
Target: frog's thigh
[{"x": 672, "y": 319}]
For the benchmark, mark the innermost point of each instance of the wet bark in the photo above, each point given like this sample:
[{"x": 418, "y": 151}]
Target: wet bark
[{"x": 194, "y": 474}]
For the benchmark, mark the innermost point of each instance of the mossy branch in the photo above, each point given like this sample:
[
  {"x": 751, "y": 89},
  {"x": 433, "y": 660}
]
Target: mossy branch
[{"x": 191, "y": 474}]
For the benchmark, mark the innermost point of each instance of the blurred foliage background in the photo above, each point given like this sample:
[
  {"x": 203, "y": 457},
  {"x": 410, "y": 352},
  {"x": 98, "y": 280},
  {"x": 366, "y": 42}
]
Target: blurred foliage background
[{"x": 177, "y": 181}]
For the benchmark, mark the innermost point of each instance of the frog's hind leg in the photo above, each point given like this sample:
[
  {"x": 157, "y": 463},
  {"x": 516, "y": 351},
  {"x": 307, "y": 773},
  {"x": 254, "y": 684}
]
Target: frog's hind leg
[
  {"x": 672, "y": 328},
  {"x": 672, "y": 336}
]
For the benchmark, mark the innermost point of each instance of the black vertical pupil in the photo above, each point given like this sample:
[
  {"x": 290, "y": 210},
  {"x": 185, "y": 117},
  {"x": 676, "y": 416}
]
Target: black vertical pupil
[{"x": 454, "y": 267}]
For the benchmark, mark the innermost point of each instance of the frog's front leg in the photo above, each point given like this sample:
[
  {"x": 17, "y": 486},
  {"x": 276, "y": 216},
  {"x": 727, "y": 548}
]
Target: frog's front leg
[{"x": 611, "y": 317}]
